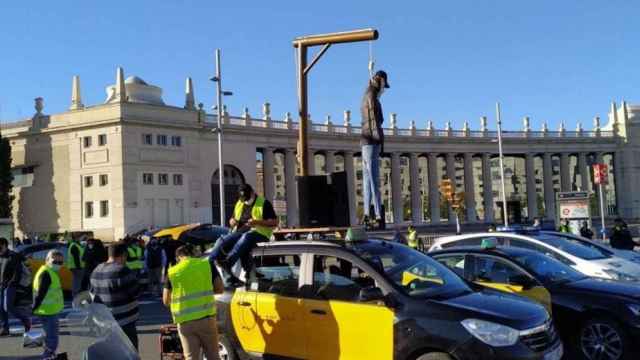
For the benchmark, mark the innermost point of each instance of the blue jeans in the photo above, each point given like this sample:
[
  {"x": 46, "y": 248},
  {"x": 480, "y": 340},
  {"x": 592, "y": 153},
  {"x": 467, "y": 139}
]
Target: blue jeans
[
  {"x": 371, "y": 179},
  {"x": 50, "y": 327},
  {"x": 240, "y": 244},
  {"x": 7, "y": 305}
]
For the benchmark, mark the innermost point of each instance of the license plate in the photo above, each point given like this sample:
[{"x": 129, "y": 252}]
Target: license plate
[{"x": 555, "y": 354}]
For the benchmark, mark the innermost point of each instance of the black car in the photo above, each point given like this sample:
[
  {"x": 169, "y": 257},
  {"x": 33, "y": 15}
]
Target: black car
[
  {"x": 596, "y": 318},
  {"x": 373, "y": 299}
]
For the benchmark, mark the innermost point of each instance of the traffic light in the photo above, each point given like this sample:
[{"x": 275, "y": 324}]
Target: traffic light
[{"x": 446, "y": 189}]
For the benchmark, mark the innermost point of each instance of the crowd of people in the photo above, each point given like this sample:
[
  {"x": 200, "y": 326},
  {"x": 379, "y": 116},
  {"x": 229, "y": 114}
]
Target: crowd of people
[{"x": 111, "y": 274}]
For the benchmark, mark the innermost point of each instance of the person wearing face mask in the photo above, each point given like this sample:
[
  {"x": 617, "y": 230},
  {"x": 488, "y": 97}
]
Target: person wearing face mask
[
  {"x": 372, "y": 142},
  {"x": 253, "y": 221},
  {"x": 48, "y": 300},
  {"x": 94, "y": 255},
  {"x": 10, "y": 275}
]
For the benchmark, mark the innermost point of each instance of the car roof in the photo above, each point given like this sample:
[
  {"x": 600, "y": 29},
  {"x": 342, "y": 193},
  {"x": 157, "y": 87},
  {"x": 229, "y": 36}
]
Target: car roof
[{"x": 30, "y": 248}]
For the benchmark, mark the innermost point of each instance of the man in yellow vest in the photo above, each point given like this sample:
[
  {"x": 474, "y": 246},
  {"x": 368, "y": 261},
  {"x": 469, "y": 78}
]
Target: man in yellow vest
[
  {"x": 189, "y": 293},
  {"x": 74, "y": 263},
  {"x": 134, "y": 255},
  {"x": 412, "y": 237},
  {"x": 253, "y": 221},
  {"x": 48, "y": 301}
]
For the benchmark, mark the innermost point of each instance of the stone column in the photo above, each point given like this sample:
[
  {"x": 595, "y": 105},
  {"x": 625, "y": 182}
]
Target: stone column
[
  {"x": 583, "y": 171},
  {"x": 487, "y": 188},
  {"x": 624, "y": 202},
  {"x": 532, "y": 195},
  {"x": 565, "y": 179},
  {"x": 330, "y": 162},
  {"x": 416, "y": 209},
  {"x": 267, "y": 173},
  {"x": 291, "y": 188},
  {"x": 549, "y": 194},
  {"x": 349, "y": 168},
  {"x": 396, "y": 189},
  {"x": 469, "y": 188},
  {"x": 434, "y": 193},
  {"x": 451, "y": 174},
  {"x": 311, "y": 162}
]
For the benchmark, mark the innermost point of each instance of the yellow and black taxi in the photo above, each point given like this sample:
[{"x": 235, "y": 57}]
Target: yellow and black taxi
[
  {"x": 596, "y": 318},
  {"x": 373, "y": 299}
]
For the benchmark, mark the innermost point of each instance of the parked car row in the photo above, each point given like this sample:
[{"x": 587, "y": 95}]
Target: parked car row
[{"x": 591, "y": 291}]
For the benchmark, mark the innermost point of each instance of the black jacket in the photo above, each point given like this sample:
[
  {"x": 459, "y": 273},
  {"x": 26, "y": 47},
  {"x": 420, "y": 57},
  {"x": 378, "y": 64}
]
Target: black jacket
[
  {"x": 621, "y": 239},
  {"x": 10, "y": 270},
  {"x": 372, "y": 117}
]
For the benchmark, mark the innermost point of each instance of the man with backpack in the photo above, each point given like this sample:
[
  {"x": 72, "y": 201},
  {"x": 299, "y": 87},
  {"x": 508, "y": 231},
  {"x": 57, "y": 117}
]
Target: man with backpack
[
  {"x": 11, "y": 275},
  {"x": 155, "y": 261}
]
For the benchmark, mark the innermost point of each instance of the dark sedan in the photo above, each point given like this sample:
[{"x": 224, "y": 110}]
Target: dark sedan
[{"x": 597, "y": 318}]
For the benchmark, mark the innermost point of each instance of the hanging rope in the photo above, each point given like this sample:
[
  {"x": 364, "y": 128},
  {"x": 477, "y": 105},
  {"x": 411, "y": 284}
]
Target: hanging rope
[{"x": 371, "y": 62}]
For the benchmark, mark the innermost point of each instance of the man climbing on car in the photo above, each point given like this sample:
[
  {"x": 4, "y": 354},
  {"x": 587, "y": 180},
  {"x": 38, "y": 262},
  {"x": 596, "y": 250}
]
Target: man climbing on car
[{"x": 252, "y": 222}]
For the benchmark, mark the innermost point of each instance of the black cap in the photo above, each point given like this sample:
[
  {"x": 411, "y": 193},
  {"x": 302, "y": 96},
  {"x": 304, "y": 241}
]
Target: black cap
[
  {"x": 383, "y": 74},
  {"x": 245, "y": 191}
]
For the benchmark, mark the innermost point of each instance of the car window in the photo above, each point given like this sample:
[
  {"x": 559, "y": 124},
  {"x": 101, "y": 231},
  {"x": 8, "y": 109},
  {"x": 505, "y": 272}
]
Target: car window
[
  {"x": 573, "y": 247},
  {"x": 42, "y": 254},
  {"x": 278, "y": 274},
  {"x": 494, "y": 270},
  {"x": 453, "y": 262},
  {"x": 338, "y": 279},
  {"x": 411, "y": 271},
  {"x": 541, "y": 249},
  {"x": 476, "y": 241}
]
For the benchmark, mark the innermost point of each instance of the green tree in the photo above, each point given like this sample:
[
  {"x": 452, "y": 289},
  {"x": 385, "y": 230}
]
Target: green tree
[{"x": 5, "y": 178}]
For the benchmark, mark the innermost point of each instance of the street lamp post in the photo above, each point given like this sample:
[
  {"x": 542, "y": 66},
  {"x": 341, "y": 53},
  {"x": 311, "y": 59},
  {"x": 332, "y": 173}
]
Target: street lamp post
[
  {"x": 219, "y": 93},
  {"x": 504, "y": 194}
]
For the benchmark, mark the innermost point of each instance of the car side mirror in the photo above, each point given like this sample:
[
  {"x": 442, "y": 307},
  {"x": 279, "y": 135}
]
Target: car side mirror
[{"x": 371, "y": 293}]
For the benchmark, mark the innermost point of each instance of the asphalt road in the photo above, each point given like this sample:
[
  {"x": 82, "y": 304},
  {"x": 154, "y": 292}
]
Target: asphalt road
[{"x": 152, "y": 315}]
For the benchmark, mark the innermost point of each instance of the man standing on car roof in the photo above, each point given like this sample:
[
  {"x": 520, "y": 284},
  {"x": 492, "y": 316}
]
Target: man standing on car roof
[
  {"x": 10, "y": 274},
  {"x": 75, "y": 264},
  {"x": 372, "y": 142},
  {"x": 190, "y": 294}
]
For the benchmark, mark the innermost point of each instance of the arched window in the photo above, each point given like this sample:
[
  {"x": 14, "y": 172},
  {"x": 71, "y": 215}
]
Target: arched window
[{"x": 233, "y": 179}]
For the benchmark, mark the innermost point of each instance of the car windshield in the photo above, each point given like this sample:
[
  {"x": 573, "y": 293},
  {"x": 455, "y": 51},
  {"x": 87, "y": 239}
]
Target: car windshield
[
  {"x": 575, "y": 248},
  {"x": 590, "y": 244},
  {"x": 417, "y": 274},
  {"x": 547, "y": 269}
]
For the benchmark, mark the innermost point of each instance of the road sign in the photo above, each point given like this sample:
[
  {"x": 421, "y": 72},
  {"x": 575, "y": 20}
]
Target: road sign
[{"x": 600, "y": 174}]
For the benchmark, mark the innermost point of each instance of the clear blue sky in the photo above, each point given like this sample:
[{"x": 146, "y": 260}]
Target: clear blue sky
[{"x": 447, "y": 60}]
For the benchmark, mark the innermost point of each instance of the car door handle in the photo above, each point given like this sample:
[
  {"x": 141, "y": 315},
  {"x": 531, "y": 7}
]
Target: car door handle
[
  {"x": 244, "y": 303},
  {"x": 318, "y": 312}
]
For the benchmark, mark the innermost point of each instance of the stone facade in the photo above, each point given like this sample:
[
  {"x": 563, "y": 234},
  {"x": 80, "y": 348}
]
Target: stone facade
[{"x": 153, "y": 164}]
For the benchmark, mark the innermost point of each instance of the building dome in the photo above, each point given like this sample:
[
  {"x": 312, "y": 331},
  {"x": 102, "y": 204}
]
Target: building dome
[
  {"x": 135, "y": 80},
  {"x": 138, "y": 91}
]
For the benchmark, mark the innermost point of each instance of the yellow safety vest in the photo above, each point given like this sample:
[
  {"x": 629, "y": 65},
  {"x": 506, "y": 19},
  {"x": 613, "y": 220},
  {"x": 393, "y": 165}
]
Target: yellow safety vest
[
  {"x": 71, "y": 265},
  {"x": 53, "y": 302},
  {"x": 192, "y": 295},
  {"x": 256, "y": 214},
  {"x": 412, "y": 239},
  {"x": 134, "y": 260}
]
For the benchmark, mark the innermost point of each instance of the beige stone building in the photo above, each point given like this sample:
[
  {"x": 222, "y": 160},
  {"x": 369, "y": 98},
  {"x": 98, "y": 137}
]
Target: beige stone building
[{"x": 135, "y": 162}]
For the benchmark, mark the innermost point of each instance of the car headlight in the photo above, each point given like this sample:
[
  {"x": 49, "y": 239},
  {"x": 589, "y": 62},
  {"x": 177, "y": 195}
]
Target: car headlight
[
  {"x": 618, "y": 275},
  {"x": 634, "y": 308},
  {"x": 491, "y": 333}
]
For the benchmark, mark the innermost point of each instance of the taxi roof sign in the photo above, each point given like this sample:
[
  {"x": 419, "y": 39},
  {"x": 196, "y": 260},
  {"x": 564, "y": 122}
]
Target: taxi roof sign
[
  {"x": 488, "y": 244},
  {"x": 355, "y": 234}
]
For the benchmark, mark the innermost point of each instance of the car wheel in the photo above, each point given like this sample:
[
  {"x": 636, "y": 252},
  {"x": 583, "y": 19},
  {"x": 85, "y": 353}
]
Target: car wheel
[
  {"x": 435, "y": 356},
  {"x": 225, "y": 350},
  {"x": 602, "y": 339}
]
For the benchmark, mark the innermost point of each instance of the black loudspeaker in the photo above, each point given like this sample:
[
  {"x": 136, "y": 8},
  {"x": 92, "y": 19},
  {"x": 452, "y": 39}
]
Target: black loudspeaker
[
  {"x": 339, "y": 210},
  {"x": 314, "y": 201}
]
